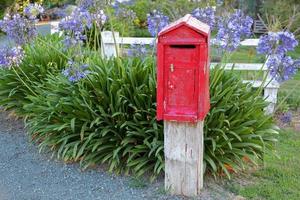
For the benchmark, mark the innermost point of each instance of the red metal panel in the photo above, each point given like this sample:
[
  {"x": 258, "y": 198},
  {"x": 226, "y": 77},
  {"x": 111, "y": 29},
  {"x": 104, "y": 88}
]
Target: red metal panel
[
  {"x": 180, "y": 80},
  {"x": 183, "y": 72},
  {"x": 160, "y": 81}
]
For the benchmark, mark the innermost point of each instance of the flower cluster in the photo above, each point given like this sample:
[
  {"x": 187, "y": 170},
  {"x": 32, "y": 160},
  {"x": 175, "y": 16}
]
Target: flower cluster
[
  {"x": 33, "y": 10},
  {"x": 86, "y": 4},
  {"x": 286, "y": 118},
  {"x": 91, "y": 5},
  {"x": 276, "y": 46},
  {"x": 138, "y": 50},
  {"x": 76, "y": 24},
  {"x": 282, "y": 68},
  {"x": 123, "y": 12},
  {"x": 18, "y": 28},
  {"x": 276, "y": 43},
  {"x": 11, "y": 57},
  {"x": 156, "y": 22},
  {"x": 232, "y": 29},
  {"x": 205, "y": 15},
  {"x": 99, "y": 18},
  {"x": 75, "y": 72}
]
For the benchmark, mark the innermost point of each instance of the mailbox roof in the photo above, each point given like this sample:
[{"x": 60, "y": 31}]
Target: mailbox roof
[{"x": 189, "y": 21}]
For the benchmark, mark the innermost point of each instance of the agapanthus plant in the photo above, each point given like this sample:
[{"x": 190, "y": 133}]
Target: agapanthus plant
[
  {"x": 286, "y": 118},
  {"x": 80, "y": 20},
  {"x": 33, "y": 10},
  {"x": 282, "y": 68},
  {"x": 125, "y": 13},
  {"x": 206, "y": 15},
  {"x": 75, "y": 25},
  {"x": 99, "y": 18},
  {"x": 11, "y": 57},
  {"x": 232, "y": 29},
  {"x": 75, "y": 72},
  {"x": 91, "y": 5},
  {"x": 156, "y": 22},
  {"x": 18, "y": 28},
  {"x": 276, "y": 45}
]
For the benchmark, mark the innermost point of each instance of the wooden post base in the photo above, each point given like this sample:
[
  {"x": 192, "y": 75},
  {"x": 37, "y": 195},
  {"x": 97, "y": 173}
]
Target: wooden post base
[{"x": 183, "y": 145}]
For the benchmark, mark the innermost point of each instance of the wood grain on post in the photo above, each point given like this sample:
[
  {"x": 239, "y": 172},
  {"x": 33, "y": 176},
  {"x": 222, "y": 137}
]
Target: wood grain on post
[{"x": 183, "y": 157}]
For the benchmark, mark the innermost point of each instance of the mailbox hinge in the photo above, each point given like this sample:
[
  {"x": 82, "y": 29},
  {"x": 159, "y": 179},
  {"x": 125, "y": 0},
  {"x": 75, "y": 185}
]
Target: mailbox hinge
[{"x": 172, "y": 67}]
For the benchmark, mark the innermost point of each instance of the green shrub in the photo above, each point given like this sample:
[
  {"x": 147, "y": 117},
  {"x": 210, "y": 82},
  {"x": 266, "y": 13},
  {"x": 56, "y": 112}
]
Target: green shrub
[
  {"x": 39, "y": 60},
  {"x": 109, "y": 118},
  {"x": 236, "y": 128}
]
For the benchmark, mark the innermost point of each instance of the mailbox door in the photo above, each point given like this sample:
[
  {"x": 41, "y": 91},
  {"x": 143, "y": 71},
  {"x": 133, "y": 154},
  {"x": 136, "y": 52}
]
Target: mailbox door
[{"x": 181, "y": 71}]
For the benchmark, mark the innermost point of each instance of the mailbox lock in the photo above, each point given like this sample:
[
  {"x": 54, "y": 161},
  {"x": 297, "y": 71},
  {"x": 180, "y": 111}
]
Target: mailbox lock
[{"x": 172, "y": 67}]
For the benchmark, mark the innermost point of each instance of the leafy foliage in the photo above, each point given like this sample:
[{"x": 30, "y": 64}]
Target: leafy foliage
[
  {"x": 236, "y": 128},
  {"x": 109, "y": 117},
  {"x": 38, "y": 62}
]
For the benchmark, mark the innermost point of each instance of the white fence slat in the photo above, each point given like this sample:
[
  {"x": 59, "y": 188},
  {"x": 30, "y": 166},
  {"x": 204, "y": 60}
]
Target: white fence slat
[
  {"x": 243, "y": 66},
  {"x": 54, "y": 27},
  {"x": 109, "y": 48},
  {"x": 250, "y": 42}
]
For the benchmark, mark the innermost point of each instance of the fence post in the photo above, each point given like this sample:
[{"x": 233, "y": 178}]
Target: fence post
[
  {"x": 270, "y": 93},
  {"x": 110, "y": 44}
]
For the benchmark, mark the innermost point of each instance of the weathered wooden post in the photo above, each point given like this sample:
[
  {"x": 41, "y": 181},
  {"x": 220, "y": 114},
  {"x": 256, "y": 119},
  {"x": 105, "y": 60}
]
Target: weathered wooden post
[{"x": 183, "y": 101}]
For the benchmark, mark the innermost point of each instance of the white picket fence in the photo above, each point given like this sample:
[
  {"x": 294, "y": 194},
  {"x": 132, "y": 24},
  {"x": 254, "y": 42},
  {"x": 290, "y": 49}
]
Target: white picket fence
[{"x": 112, "y": 44}]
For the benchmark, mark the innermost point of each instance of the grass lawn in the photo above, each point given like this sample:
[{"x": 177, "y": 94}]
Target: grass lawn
[
  {"x": 241, "y": 55},
  {"x": 280, "y": 177}
]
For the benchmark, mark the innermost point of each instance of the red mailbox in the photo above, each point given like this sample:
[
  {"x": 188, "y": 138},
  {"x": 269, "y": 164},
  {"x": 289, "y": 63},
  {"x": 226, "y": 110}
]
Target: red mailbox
[{"x": 183, "y": 71}]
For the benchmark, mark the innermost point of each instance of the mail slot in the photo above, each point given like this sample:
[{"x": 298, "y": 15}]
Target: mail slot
[{"x": 183, "y": 71}]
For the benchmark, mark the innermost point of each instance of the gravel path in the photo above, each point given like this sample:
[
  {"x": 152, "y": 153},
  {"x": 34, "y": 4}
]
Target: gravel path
[{"x": 25, "y": 174}]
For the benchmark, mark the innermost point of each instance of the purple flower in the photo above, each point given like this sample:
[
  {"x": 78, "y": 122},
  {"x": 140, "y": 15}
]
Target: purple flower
[
  {"x": 18, "y": 28},
  {"x": 125, "y": 14},
  {"x": 276, "y": 43},
  {"x": 206, "y": 15},
  {"x": 232, "y": 29},
  {"x": 138, "y": 50},
  {"x": 118, "y": 4},
  {"x": 156, "y": 22},
  {"x": 99, "y": 18},
  {"x": 11, "y": 57},
  {"x": 268, "y": 43},
  {"x": 286, "y": 117},
  {"x": 33, "y": 10},
  {"x": 75, "y": 72},
  {"x": 75, "y": 25},
  {"x": 78, "y": 22},
  {"x": 86, "y": 4},
  {"x": 282, "y": 68}
]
